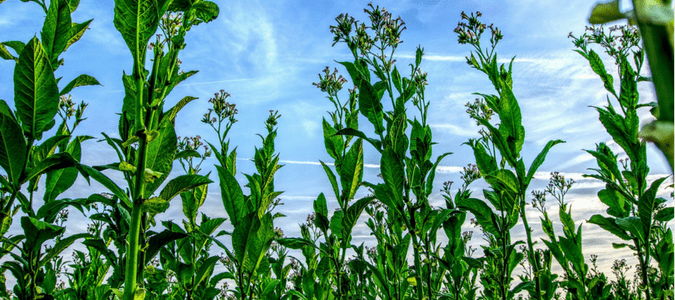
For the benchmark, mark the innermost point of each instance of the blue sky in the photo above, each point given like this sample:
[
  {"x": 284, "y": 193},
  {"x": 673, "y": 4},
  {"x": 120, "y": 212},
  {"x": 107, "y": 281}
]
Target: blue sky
[{"x": 266, "y": 54}]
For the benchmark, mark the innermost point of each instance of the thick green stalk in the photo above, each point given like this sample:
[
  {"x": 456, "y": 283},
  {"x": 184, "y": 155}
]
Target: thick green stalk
[{"x": 131, "y": 271}]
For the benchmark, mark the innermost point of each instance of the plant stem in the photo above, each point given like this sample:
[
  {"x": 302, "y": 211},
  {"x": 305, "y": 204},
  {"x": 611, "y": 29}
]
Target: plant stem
[
  {"x": 139, "y": 189},
  {"x": 530, "y": 252}
]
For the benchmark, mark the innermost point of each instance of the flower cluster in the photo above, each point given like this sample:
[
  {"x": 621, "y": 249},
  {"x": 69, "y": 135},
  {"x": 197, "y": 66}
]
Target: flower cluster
[
  {"x": 222, "y": 109},
  {"x": 470, "y": 33},
  {"x": 479, "y": 110},
  {"x": 387, "y": 30},
  {"x": 330, "y": 83},
  {"x": 470, "y": 173},
  {"x": 617, "y": 42},
  {"x": 558, "y": 186}
]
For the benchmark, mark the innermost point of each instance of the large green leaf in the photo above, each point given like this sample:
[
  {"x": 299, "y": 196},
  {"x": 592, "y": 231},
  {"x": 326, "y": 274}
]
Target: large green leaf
[
  {"x": 205, "y": 11},
  {"x": 610, "y": 225},
  {"x": 181, "y": 184},
  {"x": 393, "y": 174},
  {"x": 58, "y": 181},
  {"x": 351, "y": 170},
  {"x": 36, "y": 95},
  {"x": 599, "y": 68},
  {"x": 61, "y": 245},
  {"x": 54, "y": 162},
  {"x": 539, "y": 160},
  {"x": 232, "y": 196},
  {"x": 352, "y": 216},
  {"x": 81, "y": 80},
  {"x": 334, "y": 143},
  {"x": 101, "y": 178},
  {"x": 510, "y": 116},
  {"x": 158, "y": 241},
  {"x": 160, "y": 154},
  {"x": 482, "y": 212},
  {"x": 12, "y": 148},
  {"x": 370, "y": 105},
  {"x": 137, "y": 21},
  {"x": 332, "y": 179},
  {"x": 647, "y": 204},
  {"x": 56, "y": 30},
  {"x": 37, "y": 232}
]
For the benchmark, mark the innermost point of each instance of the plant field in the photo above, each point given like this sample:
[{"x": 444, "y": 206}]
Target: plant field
[{"x": 176, "y": 200}]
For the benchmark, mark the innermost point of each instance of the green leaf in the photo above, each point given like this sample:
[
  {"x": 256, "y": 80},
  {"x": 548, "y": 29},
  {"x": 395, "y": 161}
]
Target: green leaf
[
  {"x": 137, "y": 21},
  {"x": 181, "y": 184},
  {"x": 646, "y": 203},
  {"x": 4, "y": 53},
  {"x": 610, "y": 225},
  {"x": 605, "y": 12},
  {"x": 171, "y": 113},
  {"x": 155, "y": 205},
  {"x": 295, "y": 243},
  {"x": 599, "y": 68},
  {"x": 482, "y": 212},
  {"x": 54, "y": 162},
  {"x": 36, "y": 95},
  {"x": 539, "y": 160},
  {"x": 56, "y": 30},
  {"x": 206, "y": 269},
  {"x": 353, "y": 213},
  {"x": 101, "y": 178},
  {"x": 206, "y": 11},
  {"x": 16, "y": 45},
  {"x": 321, "y": 210},
  {"x": 393, "y": 174},
  {"x": 61, "y": 245},
  {"x": 77, "y": 30},
  {"x": 334, "y": 143},
  {"x": 58, "y": 181},
  {"x": 351, "y": 170},
  {"x": 353, "y": 132},
  {"x": 232, "y": 196},
  {"x": 158, "y": 241},
  {"x": 81, "y": 80},
  {"x": 336, "y": 224},
  {"x": 160, "y": 154},
  {"x": 432, "y": 173},
  {"x": 370, "y": 106},
  {"x": 332, "y": 179},
  {"x": 12, "y": 148},
  {"x": 37, "y": 232},
  {"x": 511, "y": 117},
  {"x": 503, "y": 179},
  {"x": 665, "y": 214}
]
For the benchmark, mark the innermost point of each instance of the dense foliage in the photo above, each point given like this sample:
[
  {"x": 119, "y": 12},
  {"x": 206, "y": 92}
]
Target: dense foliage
[{"x": 421, "y": 251}]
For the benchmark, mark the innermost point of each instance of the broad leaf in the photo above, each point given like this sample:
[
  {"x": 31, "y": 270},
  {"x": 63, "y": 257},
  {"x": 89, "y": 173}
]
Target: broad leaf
[
  {"x": 56, "y": 30},
  {"x": 12, "y": 148},
  {"x": 36, "y": 95},
  {"x": 137, "y": 21},
  {"x": 81, "y": 80},
  {"x": 539, "y": 160},
  {"x": 181, "y": 184},
  {"x": 160, "y": 154},
  {"x": 232, "y": 196}
]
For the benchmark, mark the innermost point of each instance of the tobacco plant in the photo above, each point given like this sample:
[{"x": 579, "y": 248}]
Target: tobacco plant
[
  {"x": 147, "y": 143},
  {"x": 330, "y": 268},
  {"x": 251, "y": 215},
  {"x": 497, "y": 154},
  {"x": 405, "y": 164},
  {"x": 567, "y": 249},
  {"x": 636, "y": 214},
  {"x": 655, "y": 22},
  {"x": 38, "y": 99}
]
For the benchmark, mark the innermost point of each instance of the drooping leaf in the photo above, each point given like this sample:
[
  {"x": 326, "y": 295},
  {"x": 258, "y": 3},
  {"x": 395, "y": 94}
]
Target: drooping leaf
[
  {"x": 181, "y": 184},
  {"x": 351, "y": 170},
  {"x": 331, "y": 178},
  {"x": 599, "y": 68},
  {"x": 12, "y": 148},
  {"x": 61, "y": 245},
  {"x": 295, "y": 243},
  {"x": 160, "y": 154},
  {"x": 158, "y": 241},
  {"x": 54, "y": 162},
  {"x": 81, "y": 80},
  {"x": 539, "y": 160},
  {"x": 483, "y": 213},
  {"x": 101, "y": 178},
  {"x": 232, "y": 196},
  {"x": 610, "y": 225},
  {"x": 36, "y": 95}
]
